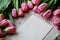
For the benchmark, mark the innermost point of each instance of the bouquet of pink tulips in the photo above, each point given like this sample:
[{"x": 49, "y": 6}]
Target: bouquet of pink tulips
[{"x": 12, "y": 9}]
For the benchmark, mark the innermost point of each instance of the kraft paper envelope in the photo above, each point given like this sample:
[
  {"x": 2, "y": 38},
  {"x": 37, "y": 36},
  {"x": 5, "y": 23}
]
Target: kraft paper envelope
[{"x": 33, "y": 29}]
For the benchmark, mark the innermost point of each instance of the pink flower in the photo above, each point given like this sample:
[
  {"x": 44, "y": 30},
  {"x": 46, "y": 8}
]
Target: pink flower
[
  {"x": 35, "y": 9},
  {"x": 20, "y": 13},
  {"x": 3, "y": 23},
  {"x": 24, "y": 7},
  {"x": 56, "y": 22},
  {"x": 42, "y": 7},
  {"x": 10, "y": 30},
  {"x": 10, "y": 23},
  {"x": 14, "y": 13},
  {"x": 47, "y": 14},
  {"x": 56, "y": 12},
  {"x": 53, "y": 18},
  {"x": 36, "y": 2},
  {"x": 30, "y": 5}
]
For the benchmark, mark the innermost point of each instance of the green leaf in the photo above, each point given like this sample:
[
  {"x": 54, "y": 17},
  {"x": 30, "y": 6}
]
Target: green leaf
[
  {"x": 53, "y": 6},
  {"x": 4, "y": 4},
  {"x": 17, "y": 5},
  {"x": 14, "y": 3},
  {"x": 55, "y": 38},
  {"x": 49, "y": 4},
  {"x": 46, "y": 1},
  {"x": 9, "y": 13}
]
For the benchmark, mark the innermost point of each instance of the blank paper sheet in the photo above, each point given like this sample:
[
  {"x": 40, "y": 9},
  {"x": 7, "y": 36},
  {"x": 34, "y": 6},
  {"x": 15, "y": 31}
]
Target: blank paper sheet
[{"x": 33, "y": 29}]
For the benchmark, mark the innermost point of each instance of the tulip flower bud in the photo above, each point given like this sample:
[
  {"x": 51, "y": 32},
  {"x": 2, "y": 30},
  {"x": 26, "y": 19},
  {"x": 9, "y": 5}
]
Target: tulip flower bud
[
  {"x": 14, "y": 13},
  {"x": 53, "y": 18},
  {"x": 20, "y": 13},
  {"x": 56, "y": 12},
  {"x": 10, "y": 30},
  {"x": 35, "y": 9},
  {"x": 10, "y": 23},
  {"x": 1, "y": 17},
  {"x": 30, "y": 5},
  {"x": 47, "y": 14},
  {"x": 24, "y": 7},
  {"x": 1, "y": 34},
  {"x": 3, "y": 23},
  {"x": 36, "y": 2},
  {"x": 42, "y": 7},
  {"x": 56, "y": 22}
]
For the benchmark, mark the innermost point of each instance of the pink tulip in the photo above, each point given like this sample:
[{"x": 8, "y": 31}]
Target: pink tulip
[
  {"x": 30, "y": 5},
  {"x": 42, "y": 7},
  {"x": 14, "y": 13},
  {"x": 56, "y": 12},
  {"x": 56, "y": 22},
  {"x": 24, "y": 7},
  {"x": 20, "y": 13},
  {"x": 10, "y": 30},
  {"x": 35, "y": 9},
  {"x": 10, "y": 23},
  {"x": 3, "y": 23},
  {"x": 47, "y": 14},
  {"x": 36, "y": 2},
  {"x": 1, "y": 17},
  {"x": 53, "y": 18}
]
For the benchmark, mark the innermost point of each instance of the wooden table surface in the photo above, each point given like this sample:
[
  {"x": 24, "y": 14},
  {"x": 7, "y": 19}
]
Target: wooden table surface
[{"x": 20, "y": 21}]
